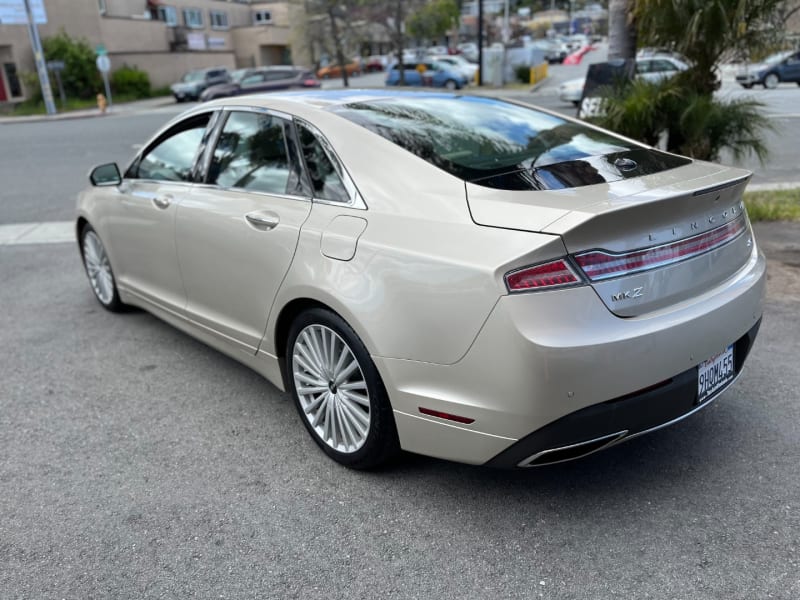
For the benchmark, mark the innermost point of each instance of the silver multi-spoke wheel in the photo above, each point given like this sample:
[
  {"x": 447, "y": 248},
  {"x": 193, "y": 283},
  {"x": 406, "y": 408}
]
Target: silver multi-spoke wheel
[
  {"x": 98, "y": 268},
  {"x": 331, "y": 388}
]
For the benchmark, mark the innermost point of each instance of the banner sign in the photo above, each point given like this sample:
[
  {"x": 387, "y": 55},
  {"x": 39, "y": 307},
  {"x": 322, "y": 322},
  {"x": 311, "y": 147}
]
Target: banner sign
[
  {"x": 12, "y": 12},
  {"x": 599, "y": 79}
]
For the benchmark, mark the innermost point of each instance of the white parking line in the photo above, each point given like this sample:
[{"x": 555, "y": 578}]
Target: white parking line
[{"x": 53, "y": 232}]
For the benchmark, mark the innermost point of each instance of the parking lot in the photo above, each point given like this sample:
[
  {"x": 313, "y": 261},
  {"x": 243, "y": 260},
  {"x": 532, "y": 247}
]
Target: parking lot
[{"x": 137, "y": 462}]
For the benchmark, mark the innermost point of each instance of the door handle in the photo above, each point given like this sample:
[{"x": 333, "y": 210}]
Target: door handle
[
  {"x": 162, "y": 202},
  {"x": 263, "y": 221}
]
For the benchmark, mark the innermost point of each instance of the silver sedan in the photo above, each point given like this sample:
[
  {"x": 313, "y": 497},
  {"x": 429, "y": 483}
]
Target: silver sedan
[{"x": 462, "y": 277}]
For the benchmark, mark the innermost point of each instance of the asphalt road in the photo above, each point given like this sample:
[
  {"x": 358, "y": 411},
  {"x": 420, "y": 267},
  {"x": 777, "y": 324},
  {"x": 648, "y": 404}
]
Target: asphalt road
[{"x": 136, "y": 462}]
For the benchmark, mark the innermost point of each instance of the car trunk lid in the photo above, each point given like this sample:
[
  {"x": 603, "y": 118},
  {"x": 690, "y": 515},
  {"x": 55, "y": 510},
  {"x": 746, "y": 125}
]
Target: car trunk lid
[{"x": 642, "y": 243}]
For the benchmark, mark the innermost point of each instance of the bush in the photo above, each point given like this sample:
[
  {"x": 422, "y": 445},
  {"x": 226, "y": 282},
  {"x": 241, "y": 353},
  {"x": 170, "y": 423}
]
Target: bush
[
  {"x": 692, "y": 123},
  {"x": 130, "y": 82},
  {"x": 80, "y": 76},
  {"x": 523, "y": 73}
]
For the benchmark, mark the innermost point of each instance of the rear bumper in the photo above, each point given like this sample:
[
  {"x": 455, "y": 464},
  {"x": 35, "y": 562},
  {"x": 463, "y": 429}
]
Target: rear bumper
[
  {"x": 544, "y": 357},
  {"x": 602, "y": 425}
]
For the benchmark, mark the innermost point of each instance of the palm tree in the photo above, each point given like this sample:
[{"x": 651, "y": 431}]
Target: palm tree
[
  {"x": 683, "y": 112},
  {"x": 705, "y": 30},
  {"x": 621, "y": 30}
]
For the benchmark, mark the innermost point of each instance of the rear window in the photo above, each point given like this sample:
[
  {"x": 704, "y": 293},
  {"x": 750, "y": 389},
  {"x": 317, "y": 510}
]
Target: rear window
[{"x": 503, "y": 145}]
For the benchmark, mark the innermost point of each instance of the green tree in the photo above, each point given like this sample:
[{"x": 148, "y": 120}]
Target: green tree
[
  {"x": 621, "y": 29},
  {"x": 80, "y": 76},
  {"x": 433, "y": 20},
  {"x": 692, "y": 123},
  {"x": 682, "y": 111},
  {"x": 704, "y": 31}
]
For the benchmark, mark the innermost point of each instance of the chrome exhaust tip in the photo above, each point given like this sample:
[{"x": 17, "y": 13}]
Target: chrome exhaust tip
[{"x": 552, "y": 456}]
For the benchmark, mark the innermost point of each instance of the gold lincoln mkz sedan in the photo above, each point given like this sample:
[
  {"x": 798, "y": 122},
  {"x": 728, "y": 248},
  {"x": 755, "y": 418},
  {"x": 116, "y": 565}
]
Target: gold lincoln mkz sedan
[{"x": 462, "y": 277}]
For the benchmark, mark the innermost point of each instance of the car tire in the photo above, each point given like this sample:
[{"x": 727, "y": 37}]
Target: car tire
[
  {"x": 771, "y": 81},
  {"x": 98, "y": 270},
  {"x": 338, "y": 392},
  {"x": 451, "y": 84}
]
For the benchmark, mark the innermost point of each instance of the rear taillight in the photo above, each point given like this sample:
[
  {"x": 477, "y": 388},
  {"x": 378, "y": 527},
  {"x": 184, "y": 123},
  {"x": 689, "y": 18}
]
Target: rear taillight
[
  {"x": 599, "y": 265},
  {"x": 546, "y": 276},
  {"x": 310, "y": 83}
]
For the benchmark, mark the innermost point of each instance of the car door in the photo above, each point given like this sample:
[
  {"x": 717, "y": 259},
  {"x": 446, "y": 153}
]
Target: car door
[
  {"x": 252, "y": 83},
  {"x": 237, "y": 232},
  {"x": 143, "y": 222},
  {"x": 278, "y": 80},
  {"x": 790, "y": 68}
]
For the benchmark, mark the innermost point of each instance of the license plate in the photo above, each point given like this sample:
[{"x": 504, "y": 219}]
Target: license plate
[{"x": 714, "y": 374}]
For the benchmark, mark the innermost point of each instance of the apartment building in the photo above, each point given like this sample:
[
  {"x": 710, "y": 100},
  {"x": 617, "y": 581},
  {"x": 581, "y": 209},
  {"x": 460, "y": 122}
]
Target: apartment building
[{"x": 165, "y": 38}]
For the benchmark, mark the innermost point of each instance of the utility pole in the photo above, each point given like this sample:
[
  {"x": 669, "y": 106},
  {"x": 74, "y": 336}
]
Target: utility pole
[
  {"x": 480, "y": 43},
  {"x": 41, "y": 67}
]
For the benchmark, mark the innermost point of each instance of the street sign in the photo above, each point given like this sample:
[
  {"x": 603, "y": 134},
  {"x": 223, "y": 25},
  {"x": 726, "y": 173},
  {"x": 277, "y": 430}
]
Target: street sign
[
  {"x": 100, "y": 50},
  {"x": 103, "y": 63},
  {"x": 12, "y": 12},
  {"x": 55, "y": 65}
]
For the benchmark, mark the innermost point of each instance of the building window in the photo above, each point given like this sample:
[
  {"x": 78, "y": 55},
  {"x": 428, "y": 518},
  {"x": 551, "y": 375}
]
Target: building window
[
  {"x": 14, "y": 86},
  {"x": 168, "y": 14},
  {"x": 193, "y": 17},
  {"x": 101, "y": 6},
  {"x": 218, "y": 18},
  {"x": 262, "y": 17}
]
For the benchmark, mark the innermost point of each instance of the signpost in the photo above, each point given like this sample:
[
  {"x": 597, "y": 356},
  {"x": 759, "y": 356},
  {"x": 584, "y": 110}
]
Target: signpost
[
  {"x": 104, "y": 66},
  {"x": 38, "y": 53},
  {"x": 56, "y": 66}
]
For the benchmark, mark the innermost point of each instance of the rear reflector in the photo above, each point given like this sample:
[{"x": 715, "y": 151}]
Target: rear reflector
[
  {"x": 549, "y": 275},
  {"x": 599, "y": 265},
  {"x": 444, "y": 415}
]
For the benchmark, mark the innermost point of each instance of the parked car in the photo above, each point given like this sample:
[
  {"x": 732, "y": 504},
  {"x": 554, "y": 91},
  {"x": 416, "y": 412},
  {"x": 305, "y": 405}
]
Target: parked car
[
  {"x": 458, "y": 62},
  {"x": 651, "y": 68},
  {"x": 775, "y": 69},
  {"x": 353, "y": 69},
  {"x": 522, "y": 289},
  {"x": 263, "y": 79},
  {"x": 376, "y": 63},
  {"x": 432, "y": 73},
  {"x": 469, "y": 50},
  {"x": 193, "y": 83},
  {"x": 554, "y": 52}
]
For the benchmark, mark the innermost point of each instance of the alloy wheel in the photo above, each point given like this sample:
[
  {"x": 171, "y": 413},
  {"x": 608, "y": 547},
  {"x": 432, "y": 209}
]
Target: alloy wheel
[
  {"x": 98, "y": 268},
  {"x": 331, "y": 388},
  {"x": 771, "y": 81}
]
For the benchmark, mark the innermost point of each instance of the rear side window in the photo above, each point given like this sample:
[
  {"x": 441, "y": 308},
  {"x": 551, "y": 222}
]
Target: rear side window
[
  {"x": 251, "y": 154},
  {"x": 323, "y": 169}
]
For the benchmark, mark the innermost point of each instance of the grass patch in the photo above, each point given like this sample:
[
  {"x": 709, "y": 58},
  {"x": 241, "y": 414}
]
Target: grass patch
[
  {"x": 774, "y": 205},
  {"x": 36, "y": 107}
]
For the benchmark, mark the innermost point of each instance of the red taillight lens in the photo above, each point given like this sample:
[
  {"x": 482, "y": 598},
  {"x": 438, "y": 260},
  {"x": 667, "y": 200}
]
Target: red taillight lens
[
  {"x": 549, "y": 275},
  {"x": 311, "y": 83},
  {"x": 599, "y": 265}
]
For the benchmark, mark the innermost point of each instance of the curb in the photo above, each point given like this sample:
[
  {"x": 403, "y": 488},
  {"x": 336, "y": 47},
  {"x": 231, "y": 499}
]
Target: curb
[{"x": 93, "y": 113}]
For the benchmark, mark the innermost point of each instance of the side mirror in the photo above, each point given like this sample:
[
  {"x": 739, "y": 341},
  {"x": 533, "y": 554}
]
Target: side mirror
[{"x": 105, "y": 175}]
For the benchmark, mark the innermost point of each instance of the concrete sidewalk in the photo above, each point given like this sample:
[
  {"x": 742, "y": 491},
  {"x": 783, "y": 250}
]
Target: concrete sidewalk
[{"x": 117, "y": 109}]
